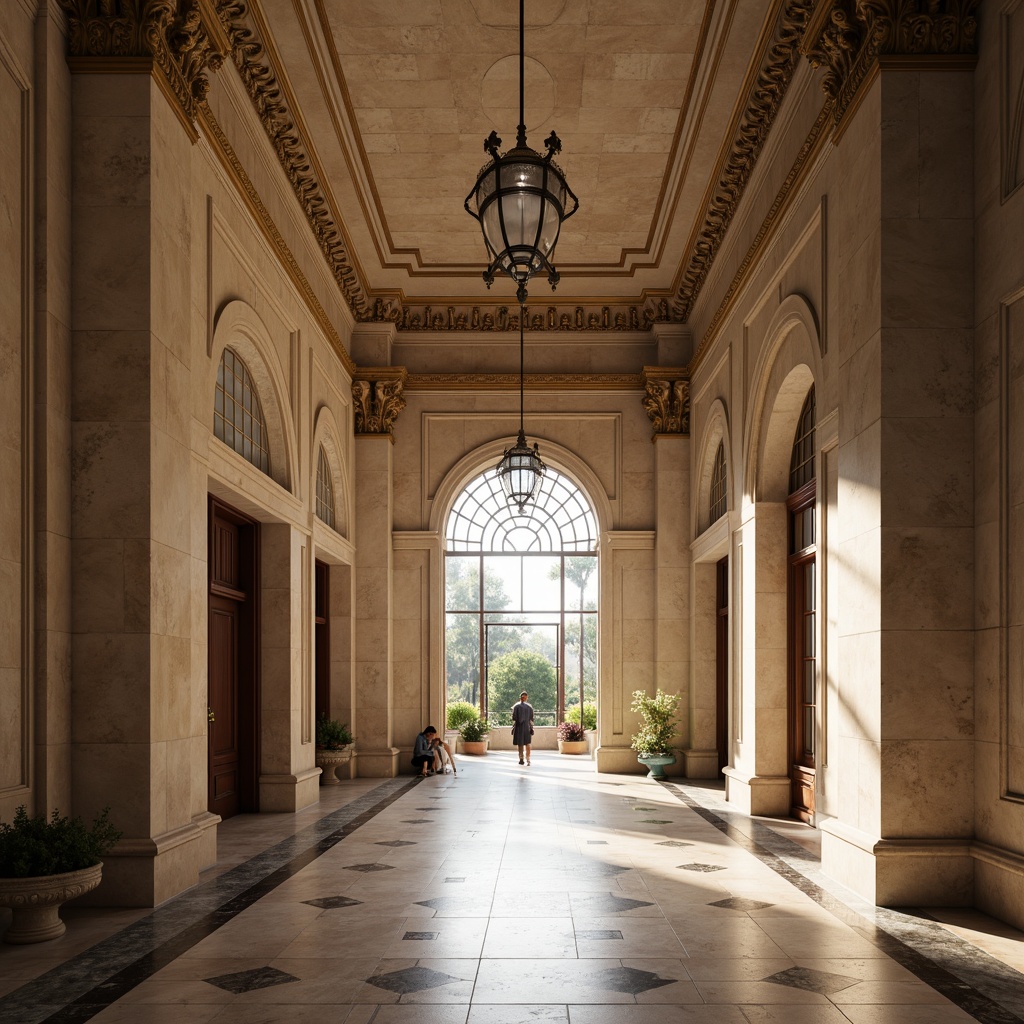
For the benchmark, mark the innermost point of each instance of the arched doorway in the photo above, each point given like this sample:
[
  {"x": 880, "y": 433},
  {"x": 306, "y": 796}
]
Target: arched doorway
[{"x": 521, "y": 600}]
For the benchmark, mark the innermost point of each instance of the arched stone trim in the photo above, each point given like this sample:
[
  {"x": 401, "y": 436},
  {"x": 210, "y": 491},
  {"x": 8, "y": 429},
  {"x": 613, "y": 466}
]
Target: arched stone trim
[
  {"x": 487, "y": 456},
  {"x": 788, "y": 365},
  {"x": 240, "y": 328},
  {"x": 716, "y": 431},
  {"x": 325, "y": 435}
]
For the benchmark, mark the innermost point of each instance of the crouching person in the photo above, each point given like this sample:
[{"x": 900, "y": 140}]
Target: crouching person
[{"x": 423, "y": 751}]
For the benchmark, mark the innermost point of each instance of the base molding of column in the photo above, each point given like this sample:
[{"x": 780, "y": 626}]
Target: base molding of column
[
  {"x": 378, "y": 763},
  {"x": 999, "y": 882},
  {"x": 146, "y": 871},
  {"x": 207, "y": 823},
  {"x": 899, "y": 872},
  {"x": 700, "y": 764},
  {"x": 618, "y": 760},
  {"x": 281, "y": 793},
  {"x": 757, "y": 794}
]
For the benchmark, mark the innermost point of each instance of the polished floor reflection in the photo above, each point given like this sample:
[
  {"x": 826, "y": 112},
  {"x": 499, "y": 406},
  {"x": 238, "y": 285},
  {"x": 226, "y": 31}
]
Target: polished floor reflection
[{"x": 511, "y": 894}]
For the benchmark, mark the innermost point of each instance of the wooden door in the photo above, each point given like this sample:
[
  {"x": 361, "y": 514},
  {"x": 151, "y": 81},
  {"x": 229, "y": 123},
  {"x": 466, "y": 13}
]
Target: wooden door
[
  {"x": 722, "y": 662},
  {"x": 233, "y": 729},
  {"x": 322, "y": 640},
  {"x": 803, "y": 654}
]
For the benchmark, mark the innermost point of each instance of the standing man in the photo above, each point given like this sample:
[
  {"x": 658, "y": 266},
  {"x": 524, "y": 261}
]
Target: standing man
[{"x": 522, "y": 726}]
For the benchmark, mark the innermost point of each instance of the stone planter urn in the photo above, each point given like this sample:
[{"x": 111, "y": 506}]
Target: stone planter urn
[
  {"x": 474, "y": 747},
  {"x": 35, "y": 902},
  {"x": 329, "y": 761},
  {"x": 656, "y": 763},
  {"x": 572, "y": 747}
]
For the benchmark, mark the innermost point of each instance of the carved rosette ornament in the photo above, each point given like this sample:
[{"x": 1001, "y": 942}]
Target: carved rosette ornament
[
  {"x": 377, "y": 394},
  {"x": 183, "y": 38},
  {"x": 846, "y": 38},
  {"x": 667, "y": 399}
]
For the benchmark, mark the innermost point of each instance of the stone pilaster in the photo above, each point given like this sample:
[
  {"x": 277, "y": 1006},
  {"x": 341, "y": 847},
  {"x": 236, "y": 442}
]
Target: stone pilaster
[{"x": 377, "y": 396}]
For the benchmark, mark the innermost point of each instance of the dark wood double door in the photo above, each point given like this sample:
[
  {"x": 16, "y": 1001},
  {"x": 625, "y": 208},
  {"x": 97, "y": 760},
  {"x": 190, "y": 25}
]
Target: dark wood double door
[{"x": 233, "y": 668}]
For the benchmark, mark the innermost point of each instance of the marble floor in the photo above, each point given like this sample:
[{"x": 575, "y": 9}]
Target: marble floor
[{"x": 511, "y": 894}]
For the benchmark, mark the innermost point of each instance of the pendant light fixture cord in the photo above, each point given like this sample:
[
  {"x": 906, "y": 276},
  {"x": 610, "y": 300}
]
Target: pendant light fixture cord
[
  {"x": 521, "y": 133},
  {"x": 522, "y": 364}
]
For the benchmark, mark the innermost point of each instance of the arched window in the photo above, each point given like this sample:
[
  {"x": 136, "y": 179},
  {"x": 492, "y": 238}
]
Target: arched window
[
  {"x": 801, "y": 465},
  {"x": 237, "y": 414},
  {"x": 716, "y": 498},
  {"x": 521, "y": 600},
  {"x": 324, "y": 490}
]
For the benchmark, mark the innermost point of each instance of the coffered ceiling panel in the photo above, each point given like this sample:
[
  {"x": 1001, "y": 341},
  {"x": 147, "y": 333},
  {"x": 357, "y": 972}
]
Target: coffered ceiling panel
[{"x": 393, "y": 99}]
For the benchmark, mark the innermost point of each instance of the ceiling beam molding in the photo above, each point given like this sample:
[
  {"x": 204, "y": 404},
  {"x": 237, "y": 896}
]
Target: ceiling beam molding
[
  {"x": 764, "y": 99},
  {"x": 250, "y": 59}
]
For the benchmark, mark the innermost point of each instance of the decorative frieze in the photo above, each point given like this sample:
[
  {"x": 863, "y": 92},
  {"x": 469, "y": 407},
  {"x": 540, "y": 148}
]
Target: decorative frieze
[
  {"x": 846, "y": 38},
  {"x": 377, "y": 395},
  {"x": 184, "y": 39},
  {"x": 506, "y": 318},
  {"x": 667, "y": 399}
]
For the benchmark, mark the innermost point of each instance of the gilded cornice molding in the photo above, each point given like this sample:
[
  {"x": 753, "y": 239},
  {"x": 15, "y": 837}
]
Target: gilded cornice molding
[
  {"x": 233, "y": 166},
  {"x": 377, "y": 394},
  {"x": 667, "y": 399},
  {"x": 765, "y": 97},
  {"x": 847, "y": 37},
  {"x": 249, "y": 56},
  {"x": 506, "y": 317},
  {"x": 494, "y": 382},
  {"x": 184, "y": 39}
]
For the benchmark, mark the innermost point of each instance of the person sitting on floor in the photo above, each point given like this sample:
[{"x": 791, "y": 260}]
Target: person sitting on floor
[{"x": 423, "y": 751}]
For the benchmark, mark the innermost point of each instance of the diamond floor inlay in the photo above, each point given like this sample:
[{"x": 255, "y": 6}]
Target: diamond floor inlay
[
  {"x": 629, "y": 980},
  {"x": 411, "y": 979},
  {"x": 810, "y": 980},
  {"x": 741, "y": 903},
  {"x": 250, "y": 981},
  {"x": 333, "y": 902},
  {"x": 549, "y": 920}
]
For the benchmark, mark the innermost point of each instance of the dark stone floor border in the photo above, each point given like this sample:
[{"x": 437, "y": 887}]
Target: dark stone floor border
[
  {"x": 989, "y": 990},
  {"x": 69, "y": 994}
]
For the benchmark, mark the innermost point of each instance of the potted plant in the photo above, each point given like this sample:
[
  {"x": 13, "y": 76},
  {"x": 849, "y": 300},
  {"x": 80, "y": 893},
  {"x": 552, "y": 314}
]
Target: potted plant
[
  {"x": 43, "y": 864},
  {"x": 457, "y": 714},
  {"x": 653, "y": 743},
  {"x": 474, "y": 736},
  {"x": 333, "y": 748},
  {"x": 571, "y": 738}
]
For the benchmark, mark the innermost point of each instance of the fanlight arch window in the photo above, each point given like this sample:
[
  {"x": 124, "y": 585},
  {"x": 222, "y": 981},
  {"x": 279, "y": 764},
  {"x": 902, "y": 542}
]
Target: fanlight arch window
[
  {"x": 324, "y": 490},
  {"x": 717, "y": 495},
  {"x": 238, "y": 418},
  {"x": 801, "y": 465},
  {"x": 521, "y": 601}
]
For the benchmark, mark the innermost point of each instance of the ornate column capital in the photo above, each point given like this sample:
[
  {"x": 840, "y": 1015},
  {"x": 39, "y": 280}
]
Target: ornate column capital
[
  {"x": 847, "y": 38},
  {"x": 667, "y": 399},
  {"x": 179, "y": 41},
  {"x": 377, "y": 395}
]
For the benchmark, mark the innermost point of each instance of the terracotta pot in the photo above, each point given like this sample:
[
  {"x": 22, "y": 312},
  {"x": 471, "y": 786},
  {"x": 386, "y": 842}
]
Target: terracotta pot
[
  {"x": 572, "y": 746},
  {"x": 35, "y": 902},
  {"x": 474, "y": 747},
  {"x": 329, "y": 761}
]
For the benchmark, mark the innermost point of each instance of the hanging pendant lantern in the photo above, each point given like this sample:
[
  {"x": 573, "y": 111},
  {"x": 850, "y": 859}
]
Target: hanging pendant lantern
[
  {"x": 520, "y": 200},
  {"x": 521, "y": 467}
]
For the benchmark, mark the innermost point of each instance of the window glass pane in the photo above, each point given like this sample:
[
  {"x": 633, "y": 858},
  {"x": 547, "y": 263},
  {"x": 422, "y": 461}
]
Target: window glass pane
[
  {"x": 238, "y": 417},
  {"x": 462, "y": 583},
  {"x": 809, "y": 731},
  {"x": 809, "y": 697},
  {"x": 542, "y": 583},
  {"x": 809, "y": 635},
  {"x": 502, "y": 583},
  {"x": 462, "y": 657}
]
